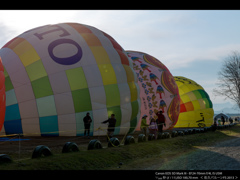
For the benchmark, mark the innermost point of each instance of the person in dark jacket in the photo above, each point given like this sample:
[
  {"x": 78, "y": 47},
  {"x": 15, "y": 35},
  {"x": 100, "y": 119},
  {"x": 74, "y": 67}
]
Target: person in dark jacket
[
  {"x": 111, "y": 126},
  {"x": 87, "y": 123},
  {"x": 214, "y": 126},
  {"x": 160, "y": 120},
  {"x": 223, "y": 120}
]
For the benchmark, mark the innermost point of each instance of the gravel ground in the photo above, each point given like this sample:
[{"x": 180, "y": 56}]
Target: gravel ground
[{"x": 221, "y": 156}]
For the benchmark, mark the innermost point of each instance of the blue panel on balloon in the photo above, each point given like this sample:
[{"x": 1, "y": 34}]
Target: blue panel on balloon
[
  {"x": 12, "y": 112},
  {"x": 13, "y": 126},
  {"x": 49, "y": 126}
]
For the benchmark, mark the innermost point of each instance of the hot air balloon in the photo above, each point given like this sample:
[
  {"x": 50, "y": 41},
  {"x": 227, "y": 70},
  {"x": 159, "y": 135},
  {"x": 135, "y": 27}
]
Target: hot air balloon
[
  {"x": 195, "y": 106},
  {"x": 158, "y": 90},
  {"x": 2, "y": 94},
  {"x": 55, "y": 74}
]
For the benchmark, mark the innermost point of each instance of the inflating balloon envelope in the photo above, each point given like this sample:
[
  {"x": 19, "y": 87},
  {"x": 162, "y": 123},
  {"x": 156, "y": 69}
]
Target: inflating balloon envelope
[
  {"x": 55, "y": 74},
  {"x": 195, "y": 106},
  {"x": 158, "y": 90}
]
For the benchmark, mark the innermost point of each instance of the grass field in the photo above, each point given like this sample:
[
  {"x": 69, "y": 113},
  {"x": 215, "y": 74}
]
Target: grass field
[{"x": 131, "y": 156}]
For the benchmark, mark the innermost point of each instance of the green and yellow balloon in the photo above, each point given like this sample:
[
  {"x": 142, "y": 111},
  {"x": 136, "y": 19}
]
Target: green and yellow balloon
[{"x": 196, "y": 109}]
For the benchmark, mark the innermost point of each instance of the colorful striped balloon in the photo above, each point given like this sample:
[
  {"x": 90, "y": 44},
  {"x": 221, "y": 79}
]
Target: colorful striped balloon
[{"x": 55, "y": 74}]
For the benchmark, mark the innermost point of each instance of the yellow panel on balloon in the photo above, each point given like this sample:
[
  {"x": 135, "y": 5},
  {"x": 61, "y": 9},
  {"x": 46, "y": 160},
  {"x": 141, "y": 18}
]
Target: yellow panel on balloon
[
  {"x": 108, "y": 74},
  {"x": 185, "y": 89},
  {"x": 185, "y": 98},
  {"x": 100, "y": 54},
  {"x": 129, "y": 72},
  {"x": 29, "y": 57},
  {"x": 133, "y": 90},
  {"x": 191, "y": 115},
  {"x": 181, "y": 92},
  {"x": 186, "y": 119},
  {"x": 26, "y": 53},
  {"x": 196, "y": 105}
]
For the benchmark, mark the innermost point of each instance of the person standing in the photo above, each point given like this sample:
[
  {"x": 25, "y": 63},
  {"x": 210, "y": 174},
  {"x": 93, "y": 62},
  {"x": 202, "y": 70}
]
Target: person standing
[
  {"x": 223, "y": 120},
  {"x": 160, "y": 121},
  {"x": 144, "y": 124},
  {"x": 111, "y": 126},
  {"x": 236, "y": 119},
  {"x": 214, "y": 126},
  {"x": 153, "y": 127},
  {"x": 87, "y": 123}
]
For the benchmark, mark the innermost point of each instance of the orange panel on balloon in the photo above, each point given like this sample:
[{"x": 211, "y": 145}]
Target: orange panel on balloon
[
  {"x": 80, "y": 28},
  {"x": 13, "y": 43},
  {"x": 123, "y": 58},
  {"x": 189, "y": 106}
]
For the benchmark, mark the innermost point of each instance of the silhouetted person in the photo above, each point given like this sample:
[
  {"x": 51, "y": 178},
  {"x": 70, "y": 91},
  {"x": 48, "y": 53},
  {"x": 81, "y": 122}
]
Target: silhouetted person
[
  {"x": 111, "y": 126},
  {"x": 223, "y": 120},
  {"x": 214, "y": 126},
  {"x": 87, "y": 123}
]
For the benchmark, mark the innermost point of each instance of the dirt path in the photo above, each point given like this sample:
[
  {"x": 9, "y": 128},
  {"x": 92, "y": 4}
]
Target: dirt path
[{"x": 221, "y": 156}]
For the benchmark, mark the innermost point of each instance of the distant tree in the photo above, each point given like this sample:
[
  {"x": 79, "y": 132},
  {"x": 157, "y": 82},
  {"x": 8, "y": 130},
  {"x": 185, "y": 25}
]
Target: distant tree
[{"x": 229, "y": 78}]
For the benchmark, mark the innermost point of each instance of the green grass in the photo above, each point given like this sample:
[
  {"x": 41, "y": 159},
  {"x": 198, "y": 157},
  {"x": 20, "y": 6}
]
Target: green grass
[{"x": 131, "y": 155}]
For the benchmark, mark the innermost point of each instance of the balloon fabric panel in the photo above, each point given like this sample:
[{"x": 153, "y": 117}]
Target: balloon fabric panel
[
  {"x": 76, "y": 78},
  {"x": 36, "y": 70}
]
